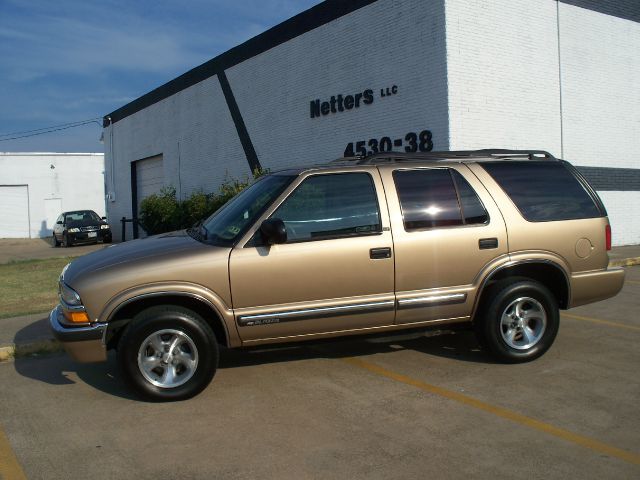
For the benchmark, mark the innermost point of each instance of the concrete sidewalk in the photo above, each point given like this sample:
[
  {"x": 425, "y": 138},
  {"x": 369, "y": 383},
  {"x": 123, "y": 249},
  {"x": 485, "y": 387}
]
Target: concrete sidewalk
[
  {"x": 29, "y": 335},
  {"x": 625, "y": 256}
]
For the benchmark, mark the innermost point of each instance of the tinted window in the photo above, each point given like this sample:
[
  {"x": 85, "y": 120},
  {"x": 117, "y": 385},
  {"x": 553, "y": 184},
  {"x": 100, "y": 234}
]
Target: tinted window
[
  {"x": 82, "y": 217},
  {"x": 543, "y": 191},
  {"x": 428, "y": 198},
  {"x": 234, "y": 218},
  {"x": 472, "y": 209},
  {"x": 330, "y": 206}
]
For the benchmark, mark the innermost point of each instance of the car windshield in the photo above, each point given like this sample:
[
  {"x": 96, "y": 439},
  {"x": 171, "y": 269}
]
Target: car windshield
[
  {"x": 82, "y": 218},
  {"x": 233, "y": 219}
]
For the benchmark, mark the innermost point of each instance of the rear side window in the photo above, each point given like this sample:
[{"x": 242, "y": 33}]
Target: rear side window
[
  {"x": 472, "y": 209},
  {"x": 430, "y": 198},
  {"x": 543, "y": 191}
]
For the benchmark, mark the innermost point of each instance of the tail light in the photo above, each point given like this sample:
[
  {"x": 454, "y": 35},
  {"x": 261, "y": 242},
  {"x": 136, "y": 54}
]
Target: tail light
[{"x": 607, "y": 235}]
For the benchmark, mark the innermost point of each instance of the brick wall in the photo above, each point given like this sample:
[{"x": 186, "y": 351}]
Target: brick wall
[
  {"x": 387, "y": 43},
  {"x": 503, "y": 74},
  {"x": 600, "y": 94},
  {"x": 478, "y": 74},
  {"x": 623, "y": 216}
]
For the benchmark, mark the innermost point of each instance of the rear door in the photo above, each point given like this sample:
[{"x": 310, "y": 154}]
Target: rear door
[
  {"x": 446, "y": 231},
  {"x": 335, "y": 272}
]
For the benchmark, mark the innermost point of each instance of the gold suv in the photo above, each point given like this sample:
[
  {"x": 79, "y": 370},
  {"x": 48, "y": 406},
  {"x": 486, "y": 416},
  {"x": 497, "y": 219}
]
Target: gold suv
[{"x": 499, "y": 240}]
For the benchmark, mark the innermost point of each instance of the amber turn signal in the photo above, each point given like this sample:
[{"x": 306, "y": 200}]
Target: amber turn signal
[{"x": 77, "y": 317}]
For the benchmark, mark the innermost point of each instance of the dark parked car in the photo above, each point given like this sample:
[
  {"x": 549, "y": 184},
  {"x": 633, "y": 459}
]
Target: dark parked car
[{"x": 80, "y": 226}]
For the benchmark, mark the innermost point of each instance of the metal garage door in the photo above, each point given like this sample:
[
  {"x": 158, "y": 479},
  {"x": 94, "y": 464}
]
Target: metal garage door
[
  {"x": 149, "y": 177},
  {"x": 14, "y": 211}
]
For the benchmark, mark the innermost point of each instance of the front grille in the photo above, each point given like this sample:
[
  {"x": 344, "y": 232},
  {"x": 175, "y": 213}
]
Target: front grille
[{"x": 88, "y": 229}]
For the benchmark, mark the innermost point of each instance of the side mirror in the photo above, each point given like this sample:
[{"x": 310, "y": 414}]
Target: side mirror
[
  {"x": 273, "y": 231},
  {"x": 104, "y": 218},
  {"x": 59, "y": 222}
]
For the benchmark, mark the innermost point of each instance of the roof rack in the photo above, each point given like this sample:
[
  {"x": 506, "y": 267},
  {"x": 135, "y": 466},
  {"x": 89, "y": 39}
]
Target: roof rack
[{"x": 446, "y": 155}]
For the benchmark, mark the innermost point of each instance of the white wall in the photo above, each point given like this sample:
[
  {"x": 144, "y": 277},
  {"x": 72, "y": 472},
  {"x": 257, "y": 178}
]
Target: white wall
[
  {"x": 192, "y": 129},
  {"x": 383, "y": 44},
  {"x": 600, "y": 88},
  {"x": 523, "y": 74},
  {"x": 623, "y": 216},
  {"x": 502, "y": 60},
  {"x": 75, "y": 178}
]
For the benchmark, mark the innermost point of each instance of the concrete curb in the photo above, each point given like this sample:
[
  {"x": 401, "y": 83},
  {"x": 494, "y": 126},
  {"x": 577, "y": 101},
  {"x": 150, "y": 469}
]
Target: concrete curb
[
  {"x": 40, "y": 347},
  {"x": 625, "y": 262}
]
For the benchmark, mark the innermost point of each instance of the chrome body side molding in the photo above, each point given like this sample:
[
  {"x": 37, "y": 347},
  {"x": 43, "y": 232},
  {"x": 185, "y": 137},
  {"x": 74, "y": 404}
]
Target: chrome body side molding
[
  {"x": 432, "y": 301},
  {"x": 313, "y": 313}
]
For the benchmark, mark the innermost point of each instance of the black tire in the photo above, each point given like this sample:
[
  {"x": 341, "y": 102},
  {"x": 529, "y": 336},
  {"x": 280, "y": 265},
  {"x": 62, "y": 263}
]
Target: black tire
[
  {"x": 513, "y": 337},
  {"x": 55, "y": 241},
  {"x": 65, "y": 241},
  {"x": 198, "y": 342}
]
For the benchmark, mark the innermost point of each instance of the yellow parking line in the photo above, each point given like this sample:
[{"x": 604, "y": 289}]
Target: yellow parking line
[
  {"x": 10, "y": 469},
  {"x": 600, "y": 321},
  {"x": 635, "y": 282},
  {"x": 501, "y": 412}
]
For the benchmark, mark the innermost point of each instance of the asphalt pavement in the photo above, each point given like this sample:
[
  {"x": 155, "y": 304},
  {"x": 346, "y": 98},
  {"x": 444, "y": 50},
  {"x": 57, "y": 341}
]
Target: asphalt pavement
[{"x": 433, "y": 406}]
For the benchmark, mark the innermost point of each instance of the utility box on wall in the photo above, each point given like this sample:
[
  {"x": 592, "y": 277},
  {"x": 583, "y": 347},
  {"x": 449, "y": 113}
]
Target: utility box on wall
[{"x": 37, "y": 187}]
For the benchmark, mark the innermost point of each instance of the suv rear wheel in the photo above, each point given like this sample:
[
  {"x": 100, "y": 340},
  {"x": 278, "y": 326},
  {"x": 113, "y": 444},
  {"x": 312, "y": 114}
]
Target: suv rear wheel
[
  {"x": 168, "y": 353},
  {"x": 519, "y": 321}
]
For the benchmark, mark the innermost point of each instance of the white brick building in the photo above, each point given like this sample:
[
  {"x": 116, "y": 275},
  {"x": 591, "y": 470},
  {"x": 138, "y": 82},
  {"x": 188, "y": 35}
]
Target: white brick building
[
  {"x": 540, "y": 74},
  {"x": 37, "y": 187}
]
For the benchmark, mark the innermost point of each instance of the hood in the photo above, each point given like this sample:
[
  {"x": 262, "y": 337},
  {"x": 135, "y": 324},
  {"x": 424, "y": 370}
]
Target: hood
[{"x": 164, "y": 244}]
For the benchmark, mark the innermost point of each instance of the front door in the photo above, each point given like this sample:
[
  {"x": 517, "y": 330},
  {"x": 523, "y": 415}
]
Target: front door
[{"x": 334, "y": 273}]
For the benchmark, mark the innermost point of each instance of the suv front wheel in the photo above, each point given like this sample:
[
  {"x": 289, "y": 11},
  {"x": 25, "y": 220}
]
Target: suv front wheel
[
  {"x": 519, "y": 321},
  {"x": 168, "y": 353}
]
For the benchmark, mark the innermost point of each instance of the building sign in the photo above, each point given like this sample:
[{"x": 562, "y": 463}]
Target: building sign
[
  {"x": 341, "y": 103},
  {"x": 411, "y": 142}
]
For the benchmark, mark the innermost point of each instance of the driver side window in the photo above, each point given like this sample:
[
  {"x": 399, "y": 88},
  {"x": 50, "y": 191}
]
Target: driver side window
[{"x": 331, "y": 206}]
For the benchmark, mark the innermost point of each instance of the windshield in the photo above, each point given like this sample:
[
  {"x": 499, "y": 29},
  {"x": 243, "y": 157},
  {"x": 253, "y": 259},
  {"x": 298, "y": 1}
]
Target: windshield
[
  {"x": 82, "y": 218},
  {"x": 233, "y": 219}
]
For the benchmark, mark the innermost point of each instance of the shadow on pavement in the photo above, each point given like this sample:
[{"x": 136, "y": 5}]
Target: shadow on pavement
[
  {"x": 460, "y": 346},
  {"x": 105, "y": 376},
  {"x": 58, "y": 369}
]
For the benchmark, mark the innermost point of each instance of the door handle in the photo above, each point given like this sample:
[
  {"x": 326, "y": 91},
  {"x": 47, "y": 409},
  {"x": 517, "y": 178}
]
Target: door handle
[
  {"x": 487, "y": 243},
  {"x": 377, "y": 253}
]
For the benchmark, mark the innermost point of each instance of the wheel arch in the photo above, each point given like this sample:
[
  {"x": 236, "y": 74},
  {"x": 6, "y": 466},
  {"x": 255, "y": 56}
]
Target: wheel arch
[
  {"x": 546, "y": 272},
  {"x": 124, "y": 313}
]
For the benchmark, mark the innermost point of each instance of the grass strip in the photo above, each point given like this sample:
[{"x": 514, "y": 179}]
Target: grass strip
[{"x": 29, "y": 286}]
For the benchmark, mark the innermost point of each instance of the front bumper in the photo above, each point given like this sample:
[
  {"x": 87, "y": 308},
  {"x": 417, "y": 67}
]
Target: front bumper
[
  {"x": 84, "y": 237},
  {"x": 83, "y": 344}
]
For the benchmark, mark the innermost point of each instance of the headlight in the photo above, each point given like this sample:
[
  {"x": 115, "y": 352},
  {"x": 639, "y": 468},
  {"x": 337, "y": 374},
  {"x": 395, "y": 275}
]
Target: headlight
[
  {"x": 73, "y": 230},
  {"x": 69, "y": 296},
  {"x": 64, "y": 269},
  {"x": 104, "y": 227}
]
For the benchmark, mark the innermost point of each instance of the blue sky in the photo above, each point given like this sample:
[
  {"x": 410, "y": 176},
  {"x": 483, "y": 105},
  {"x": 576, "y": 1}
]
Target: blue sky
[{"x": 63, "y": 61}]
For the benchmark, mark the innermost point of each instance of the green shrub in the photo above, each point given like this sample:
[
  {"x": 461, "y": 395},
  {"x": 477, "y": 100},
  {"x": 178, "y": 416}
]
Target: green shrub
[
  {"x": 163, "y": 212},
  {"x": 160, "y": 212},
  {"x": 196, "y": 207}
]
